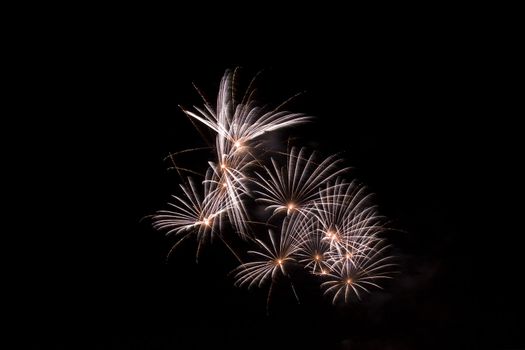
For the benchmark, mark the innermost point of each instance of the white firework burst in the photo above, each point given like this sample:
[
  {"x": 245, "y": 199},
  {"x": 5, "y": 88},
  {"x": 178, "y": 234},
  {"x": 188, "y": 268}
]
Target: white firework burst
[
  {"x": 312, "y": 250},
  {"x": 295, "y": 186},
  {"x": 238, "y": 124},
  {"x": 346, "y": 218},
  {"x": 351, "y": 278},
  {"x": 272, "y": 260},
  {"x": 331, "y": 227},
  {"x": 194, "y": 214}
]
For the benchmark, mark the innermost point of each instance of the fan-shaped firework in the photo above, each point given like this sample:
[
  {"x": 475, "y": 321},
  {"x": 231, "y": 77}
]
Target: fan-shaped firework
[
  {"x": 239, "y": 123},
  {"x": 193, "y": 213},
  {"x": 294, "y": 187},
  {"x": 331, "y": 226},
  {"x": 312, "y": 250},
  {"x": 354, "y": 275},
  {"x": 346, "y": 217},
  {"x": 272, "y": 259}
]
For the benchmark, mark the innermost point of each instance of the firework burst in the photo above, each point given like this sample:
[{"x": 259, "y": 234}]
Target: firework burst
[
  {"x": 312, "y": 250},
  {"x": 329, "y": 226},
  {"x": 356, "y": 275},
  {"x": 193, "y": 213},
  {"x": 238, "y": 124},
  {"x": 293, "y": 187},
  {"x": 346, "y": 217},
  {"x": 271, "y": 259}
]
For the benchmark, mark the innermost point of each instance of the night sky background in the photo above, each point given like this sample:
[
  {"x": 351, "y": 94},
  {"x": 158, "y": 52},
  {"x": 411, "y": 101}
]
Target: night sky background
[{"x": 97, "y": 278}]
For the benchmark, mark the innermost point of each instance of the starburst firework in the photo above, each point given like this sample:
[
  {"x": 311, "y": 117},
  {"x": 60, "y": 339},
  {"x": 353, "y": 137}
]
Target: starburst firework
[
  {"x": 328, "y": 226},
  {"x": 193, "y": 214},
  {"x": 271, "y": 259},
  {"x": 312, "y": 250},
  {"x": 355, "y": 275},
  {"x": 293, "y": 187}
]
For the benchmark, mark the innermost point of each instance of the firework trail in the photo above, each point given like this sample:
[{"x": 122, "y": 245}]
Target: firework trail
[
  {"x": 238, "y": 124},
  {"x": 323, "y": 223},
  {"x": 272, "y": 259}
]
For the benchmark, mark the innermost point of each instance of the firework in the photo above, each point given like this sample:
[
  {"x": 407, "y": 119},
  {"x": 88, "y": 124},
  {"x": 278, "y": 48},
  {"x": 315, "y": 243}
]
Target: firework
[
  {"x": 231, "y": 172},
  {"x": 312, "y": 252},
  {"x": 329, "y": 226},
  {"x": 352, "y": 277},
  {"x": 293, "y": 187},
  {"x": 193, "y": 213},
  {"x": 272, "y": 258},
  {"x": 346, "y": 218},
  {"x": 237, "y": 124}
]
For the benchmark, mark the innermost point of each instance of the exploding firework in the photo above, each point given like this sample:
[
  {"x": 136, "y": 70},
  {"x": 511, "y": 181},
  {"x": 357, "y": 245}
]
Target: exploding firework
[
  {"x": 271, "y": 259},
  {"x": 231, "y": 173},
  {"x": 312, "y": 250},
  {"x": 347, "y": 218},
  {"x": 318, "y": 220},
  {"x": 194, "y": 214},
  {"x": 293, "y": 187},
  {"x": 352, "y": 276},
  {"x": 238, "y": 124}
]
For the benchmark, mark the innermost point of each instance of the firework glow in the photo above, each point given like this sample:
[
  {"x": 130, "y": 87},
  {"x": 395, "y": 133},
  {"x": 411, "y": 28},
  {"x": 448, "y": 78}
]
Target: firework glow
[{"x": 295, "y": 210}]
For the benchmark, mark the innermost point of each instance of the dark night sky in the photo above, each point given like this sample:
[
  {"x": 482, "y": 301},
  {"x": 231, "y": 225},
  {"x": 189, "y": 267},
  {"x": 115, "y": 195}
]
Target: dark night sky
[{"x": 403, "y": 118}]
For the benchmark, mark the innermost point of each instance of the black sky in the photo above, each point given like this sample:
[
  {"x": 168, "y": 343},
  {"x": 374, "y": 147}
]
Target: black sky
[{"x": 400, "y": 113}]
